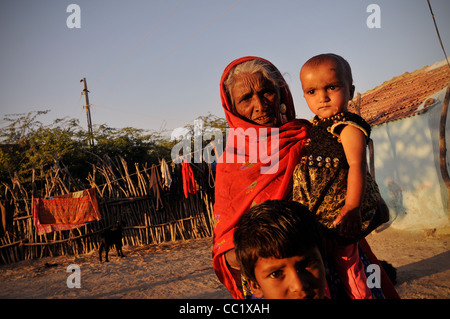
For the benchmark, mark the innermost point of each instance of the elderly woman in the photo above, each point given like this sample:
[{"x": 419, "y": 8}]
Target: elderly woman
[
  {"x": 256, "y": 99},
  {"x": 260, "y": 111}
]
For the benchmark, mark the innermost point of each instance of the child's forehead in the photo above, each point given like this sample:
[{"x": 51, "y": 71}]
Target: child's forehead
[
  {"x": 300, "y": 255},
  {"x": 329, "y": 70},
  {"x": 329, "y": 64}
]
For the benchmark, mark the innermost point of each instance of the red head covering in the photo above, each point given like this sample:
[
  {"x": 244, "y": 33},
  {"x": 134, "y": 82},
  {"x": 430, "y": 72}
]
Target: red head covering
[{"x": 240, "y": 183}]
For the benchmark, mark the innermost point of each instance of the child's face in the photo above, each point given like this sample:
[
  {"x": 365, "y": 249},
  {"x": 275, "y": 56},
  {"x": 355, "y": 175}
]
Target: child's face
[
  {"x": 325, "y": 89},
  {"x": 296, "y": 277}
]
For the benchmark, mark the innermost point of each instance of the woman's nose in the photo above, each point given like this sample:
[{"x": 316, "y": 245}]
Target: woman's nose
[{"x": 259, "y": 103}]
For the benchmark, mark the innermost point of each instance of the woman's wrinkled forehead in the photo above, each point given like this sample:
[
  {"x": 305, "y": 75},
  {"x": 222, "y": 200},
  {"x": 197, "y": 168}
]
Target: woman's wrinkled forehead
[
  {"x": 251, "y": 73},
  {"x": 250, "y": 80}
]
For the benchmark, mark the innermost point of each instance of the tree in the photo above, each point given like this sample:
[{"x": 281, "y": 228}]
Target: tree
[
  {"x": 26, "y": 145},
  {"x": 20, "y": 127}
]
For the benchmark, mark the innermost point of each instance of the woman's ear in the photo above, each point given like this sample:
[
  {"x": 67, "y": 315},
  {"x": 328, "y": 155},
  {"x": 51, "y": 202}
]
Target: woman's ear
[
  {"x": 256, "y": 289},
  {"x": 283, "y": 117}
]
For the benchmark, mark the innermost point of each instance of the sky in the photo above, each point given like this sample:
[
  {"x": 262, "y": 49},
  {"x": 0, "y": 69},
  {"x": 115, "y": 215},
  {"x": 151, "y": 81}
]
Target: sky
[{"x": 156, "y": 64}]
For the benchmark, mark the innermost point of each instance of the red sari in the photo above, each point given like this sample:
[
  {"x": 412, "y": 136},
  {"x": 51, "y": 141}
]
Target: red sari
[{"x": 240, "y": 183}]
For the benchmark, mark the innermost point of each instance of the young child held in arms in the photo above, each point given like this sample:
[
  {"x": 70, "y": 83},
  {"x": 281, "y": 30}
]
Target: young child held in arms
[
  {"x": 279, "y": 248},
  {"x": 332, "y": 180}
]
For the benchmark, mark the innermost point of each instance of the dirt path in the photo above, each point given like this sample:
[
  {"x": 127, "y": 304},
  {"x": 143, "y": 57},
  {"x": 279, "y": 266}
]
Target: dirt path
[
  {"x": 183, "y": 270},
  {"x": 422, "y": 261}
]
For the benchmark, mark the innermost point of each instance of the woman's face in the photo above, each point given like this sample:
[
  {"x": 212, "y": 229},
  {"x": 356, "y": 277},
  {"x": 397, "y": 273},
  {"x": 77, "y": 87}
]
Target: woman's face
[{"x": 256, "y": 99}]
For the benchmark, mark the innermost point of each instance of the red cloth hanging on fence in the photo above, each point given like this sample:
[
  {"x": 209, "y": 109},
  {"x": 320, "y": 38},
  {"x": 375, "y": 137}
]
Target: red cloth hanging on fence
[
  {"x": 188, "y": 179},
  {"x": 65, "y": 212}
]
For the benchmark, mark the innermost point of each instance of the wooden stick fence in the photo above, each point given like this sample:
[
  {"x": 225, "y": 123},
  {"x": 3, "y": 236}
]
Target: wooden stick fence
[{"x": 122, "y": 196}]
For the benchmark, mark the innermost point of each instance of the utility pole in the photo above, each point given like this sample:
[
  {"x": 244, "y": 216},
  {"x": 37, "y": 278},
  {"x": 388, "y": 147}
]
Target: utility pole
[{"x": 88, "y": 113}]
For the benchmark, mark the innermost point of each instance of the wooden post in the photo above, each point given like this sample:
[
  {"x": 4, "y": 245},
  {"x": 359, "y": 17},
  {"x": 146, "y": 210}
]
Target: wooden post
[{"x": 87, "y": 106}]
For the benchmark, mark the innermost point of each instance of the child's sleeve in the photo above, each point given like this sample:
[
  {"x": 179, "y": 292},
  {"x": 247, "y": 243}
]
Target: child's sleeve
[{"x": 348, "y": 118}]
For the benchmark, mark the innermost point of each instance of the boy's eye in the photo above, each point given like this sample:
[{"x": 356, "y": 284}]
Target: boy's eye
[
  {"x": 307, "y": 265},
  {"x": 276, "y": 274},
  {"x": 310, "y": 92}
]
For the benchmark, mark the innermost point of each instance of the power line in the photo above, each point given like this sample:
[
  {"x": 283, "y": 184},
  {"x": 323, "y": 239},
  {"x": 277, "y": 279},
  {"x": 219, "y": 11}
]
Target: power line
[
  {"x": 171, "y": 52},
  {"x": 133, "y": 115},
  {"x": 137, "y": 46},
  {"x": 437, "y": 31}
]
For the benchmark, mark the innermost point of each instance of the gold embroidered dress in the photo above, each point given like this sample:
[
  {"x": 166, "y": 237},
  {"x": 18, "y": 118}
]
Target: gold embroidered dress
[{"x": 320, "y": 179}]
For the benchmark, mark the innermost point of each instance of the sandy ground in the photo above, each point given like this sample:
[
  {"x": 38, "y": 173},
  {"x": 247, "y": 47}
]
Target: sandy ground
[
  {"x": 422, "y": 261},
  {"x": 183, "y": 270}
]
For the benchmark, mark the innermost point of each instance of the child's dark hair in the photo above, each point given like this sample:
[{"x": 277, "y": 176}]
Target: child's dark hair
[
  {"x": 342, "y": 63},
  {"x": 275, "y": 228}
]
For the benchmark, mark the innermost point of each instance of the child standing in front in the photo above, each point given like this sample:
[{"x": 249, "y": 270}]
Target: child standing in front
[
  {"x": 279, "y": 247},
  {"x": 332, "y": 179}
]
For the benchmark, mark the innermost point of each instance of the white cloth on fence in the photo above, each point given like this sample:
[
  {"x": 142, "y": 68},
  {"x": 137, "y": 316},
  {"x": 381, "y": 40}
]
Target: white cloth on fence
[{"x": 165, "y": 173}]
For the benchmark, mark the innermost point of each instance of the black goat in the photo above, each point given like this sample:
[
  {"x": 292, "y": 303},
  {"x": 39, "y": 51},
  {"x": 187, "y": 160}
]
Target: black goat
[{"x": 111, "y": 237}]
